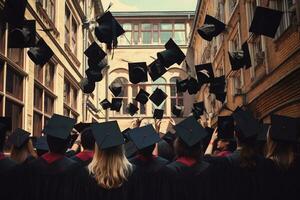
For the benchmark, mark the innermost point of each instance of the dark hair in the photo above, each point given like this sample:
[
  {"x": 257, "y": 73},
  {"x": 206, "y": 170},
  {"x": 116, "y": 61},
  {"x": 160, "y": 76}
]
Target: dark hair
[
  {"x": 57, "y": 145},
  {"x": 147, "y": 152},
  {"x": 166, "y": 150},
  {"x": 183, "y": 150},
  {"x": 2, "y": 139},
  {"x": 87, "y": 139}
]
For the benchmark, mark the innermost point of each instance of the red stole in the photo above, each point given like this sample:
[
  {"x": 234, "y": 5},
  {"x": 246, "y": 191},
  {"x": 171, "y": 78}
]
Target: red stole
[
  {"x": 85, "y": 155},
  {"x": 2, "y": 156},
  {"x": 186, "y": 161},
  {"x": 223, "y": 153},
  {"x": 51, "y": 157},
  {"x": 146, "y": 159}
]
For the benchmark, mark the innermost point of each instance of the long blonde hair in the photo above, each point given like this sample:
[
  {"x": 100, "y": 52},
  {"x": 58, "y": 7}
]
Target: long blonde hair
[
  {"x": 110, "y": 167},
  {"x": 281, "y": 153},
  {"x": 21, "y": 154}
]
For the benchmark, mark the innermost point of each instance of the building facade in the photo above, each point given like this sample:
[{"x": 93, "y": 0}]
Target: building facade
[
  {"x": 146, "y": 34},
  {"x": 272, "y": 84},
  {"x": 31, "y": 94}
]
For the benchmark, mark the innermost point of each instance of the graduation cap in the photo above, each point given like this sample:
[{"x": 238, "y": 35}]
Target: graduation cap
[
  {"x": 247, "y": 124},
  {"x": 59, "y": 126},
  {"x": 265, "y": 21},
  {"x": 87, "y": 85},
  {"x": 81, "y": 126},
  {"x": 182, "y": 85},
  {"x": 105, "y": 104},
  {"x": 239, "y": 59},
  {"x": 95, "y": 53},
  {"x": 262, "y": 136},
  {"x": 132, "y": 109},
  {"x": 144, "y": 136},
  {"x": 217, "y": 86},
  {"x": 225, "y": 127},
  {"x": 212, "y": 27},
  {"x": 107, "y": 134},
  {"x": 115, "y": 88},
  {"x": 41, "y": 144},
  {"x": 177, "y": 110},
  {"x": 221, "y": 96},
  {"x": 169, "y": 137},
  {"x": 116, "y": 104},
  {"x": 193, "y": 86},
  {"x": 190, "y": 131},
  {"x": 205, "y": 73},
  {"x": 198, "y": 109},
  {"x": 95, "y": 75},
  {"x": 142, "y": 96},
  {"x": 158, "y": 96},
  {"x": 19, "y": 138},
  {"x": 156, "y": 70},
  {"x": 284, "y": 129},
  {"x": 130, "y": 149},
  {"x": 171, "y": 55},
  {"x": 41, "y": 53},
  {"x": 158, "y": 114},
  {"x": 126, "y": 135},
  {"x": 14, "y": 11},
  {"x": 6, "y": 123},
  {"x": 109, "y": 29},
  {"x": 23, "y": 36},
  {"x": 138, "y": 72}
]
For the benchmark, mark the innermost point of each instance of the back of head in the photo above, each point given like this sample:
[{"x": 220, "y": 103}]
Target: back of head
[
  {"x": 87, "y": 139},
  {"x": 147, "y": 152},
  {"x": 21, "y": 154},
  {"x": 110, "y": 167},
  {"x": 57, "y": 145},
  {"x": 183, "y": 150}
]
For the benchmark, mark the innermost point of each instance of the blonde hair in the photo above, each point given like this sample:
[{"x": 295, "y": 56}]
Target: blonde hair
[
  {"x": 280, "y": 153},
  {"x": 110, "y": 167},
  {"x": 21, "y": 154}
]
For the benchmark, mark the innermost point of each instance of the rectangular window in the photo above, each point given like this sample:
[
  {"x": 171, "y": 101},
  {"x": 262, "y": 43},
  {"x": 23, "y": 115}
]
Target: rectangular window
[
  {"x": 126, "y": 38},
  {"x": 70, "y": 99},
  {"x": 38, "y": 73},
  {"x": 49, "y": 75},
  {"x": 38, "y": 97},
  {"x": 74, "y": 37},
  {"x": 14, "y": 83},
  {"x": 2, "y": 36},
  {"x": 67, "y": 25},
  {"x": 38, "y": 123},
  {"x": 16, "y": 55},
  {"x": 15, "y": 111},
  {"x": 165, "y": 36},
  {"x": 48, "y": 104},
  {"x": 49, "y": 7},
  {"x": 164, "y": 27},
  {"x": 179, "y": 37}
]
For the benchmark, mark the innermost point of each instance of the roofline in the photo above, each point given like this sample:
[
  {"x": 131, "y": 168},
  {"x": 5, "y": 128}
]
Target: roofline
[
  {"x": 154, "y": 13},
  {"x": 194, "y": 27}
]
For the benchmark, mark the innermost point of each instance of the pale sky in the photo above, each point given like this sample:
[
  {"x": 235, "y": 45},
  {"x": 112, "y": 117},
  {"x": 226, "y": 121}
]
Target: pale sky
[{"x": 151, "y": 5}]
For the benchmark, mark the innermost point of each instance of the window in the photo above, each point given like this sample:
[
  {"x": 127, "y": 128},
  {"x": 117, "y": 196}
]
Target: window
[
  {"x": 179, "y": 34},
  {"x": 70, "y": 30},
  {"x": 49, "y": 7},
  {"x": 136, "y": 38},
  {"x": 2, "y": 35},
  {"x": 146, "y": 33},
  {"x": 176, "y": 98},
  {"x": 135, "y": 91},
  {"x": 123, "y": 95},
  {"x": 14, "y": 83},
  {"x": 126, "y": 38},
  {"x": 44, "y": 97},
  {"x": 161, "y": 84},
  {"x": 166, "y": 32},
  {"x": 70, "y": 99},
  {"x": 15, "y": 111},
  {"x": 238, "y": 84},
  {"x": 16, "y": 55},
  {"x": 155, "y": 34}
]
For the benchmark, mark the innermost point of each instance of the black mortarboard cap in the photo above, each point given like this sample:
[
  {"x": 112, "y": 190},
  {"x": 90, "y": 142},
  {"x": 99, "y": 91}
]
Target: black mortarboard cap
[
  {"x": 95, "y": 75},
  {"x": 138, "y": 72},
  {"x": 177, "y": 110},
  {"x": 23, "y": 36},
  {"x": 182, "y": 86},
  {"x": 95, "y": 53},
  {"x": 221, "y": 96},
  {"x": 81, "y": 126},
  {"x": 116, "y": 104},
  {"x": 205, "y": 73},
  {"x": 132, "y": 109},
  {"x": 225, "y": 127},
  {"x": 73, "y": 139},
  {"x": 142, "y": 96},
  {"x": 169, "y": 137},
  {"x": 247, "y": 124},
  {"x": 130, "y": 149},
  {"x": 158, "y": 114},
  {"x": 87, "y": 85},
  {"x": 265, "y": 21},
  {"x": 193, "y": 86},
  {"x": 41, "y": 53},
  {"x": 105, "y": 104},
  {"x": 198, "y": 109},
  {"x": 171, "y": 55},
  {"x": 217, "y": 85},
  {"x": 19, "y": 137},
  {"x": 107, "y": 134},
  {"x": 284, "y": 128},
  {"x": 212, "y": 27},
  {"x": 239, "y": 59},
  {"x": 14, "y": 11},
  {"x": 6, "y": 123},
  {"x": 115, "y": 88},
  {"x": 109, "y": 28},
  {"x": 190, "y": 131},
  {"x": 156, "y": 70},
  {"x": 158, "y": 96},
  {"x": 41, "y": 144},
  {"x": 126, "y": 135},
  {"x": 59, "y": 126},
  {"x": 264, "y": 129},
  {"x": 144, "y": 136}
]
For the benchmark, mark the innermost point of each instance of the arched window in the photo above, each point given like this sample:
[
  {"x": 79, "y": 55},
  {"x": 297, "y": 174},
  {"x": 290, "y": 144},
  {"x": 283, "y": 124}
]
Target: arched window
[
  {"x": 124, "y": 94},
  {"x": 176, "y": 98},
  {"x": 161, "y": 84}
]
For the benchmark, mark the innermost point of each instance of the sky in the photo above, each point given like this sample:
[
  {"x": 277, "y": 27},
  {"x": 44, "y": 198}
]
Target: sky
[{"x": 151, "y": 5}]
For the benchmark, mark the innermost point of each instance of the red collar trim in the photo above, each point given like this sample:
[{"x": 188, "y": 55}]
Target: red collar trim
[
  {"x": 145, "y": 159},
  {"x": 51, "y": 157},
  {"x": 85, "y": 155},
  {"x": 2, "y": 156},
  {"x": 186, "y": 161},
  {"x": 223, "y": 153}
]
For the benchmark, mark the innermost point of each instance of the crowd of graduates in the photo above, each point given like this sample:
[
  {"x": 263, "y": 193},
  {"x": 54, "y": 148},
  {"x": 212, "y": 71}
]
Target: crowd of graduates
[{"x": 239, "y": 159}]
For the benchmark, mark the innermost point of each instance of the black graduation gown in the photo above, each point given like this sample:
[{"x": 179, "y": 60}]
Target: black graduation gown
[
  {"x": 151, "y": 165},
  {"x": 7, "y": 167},
  {"x": 44, "y": 180},
  {"x": 82, "y": 159},
  {"x": 181, "y": 181}
]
